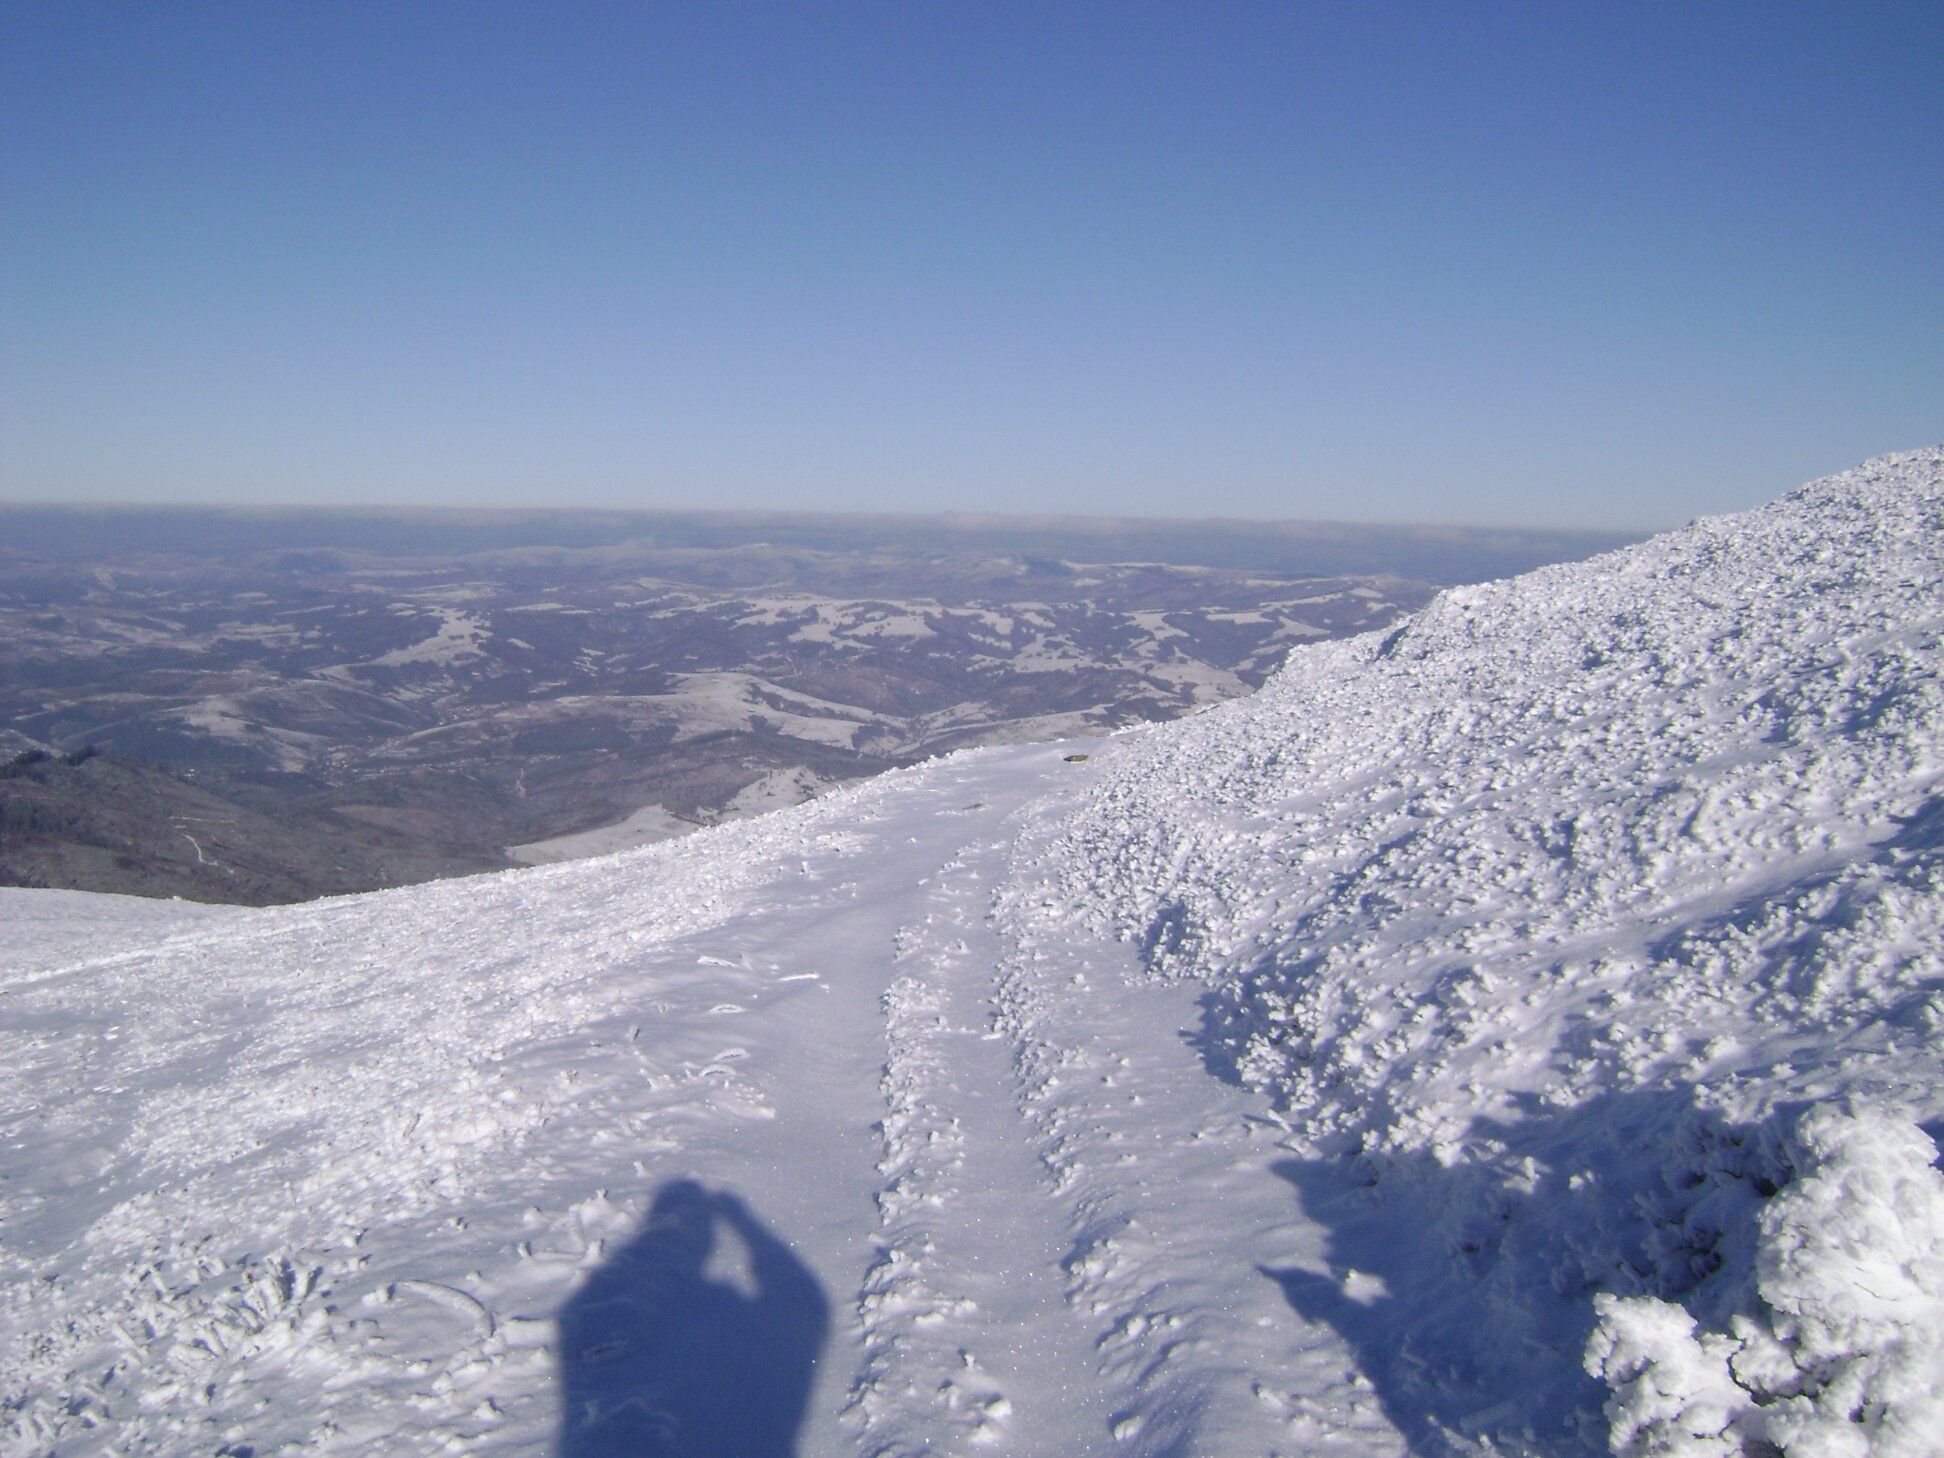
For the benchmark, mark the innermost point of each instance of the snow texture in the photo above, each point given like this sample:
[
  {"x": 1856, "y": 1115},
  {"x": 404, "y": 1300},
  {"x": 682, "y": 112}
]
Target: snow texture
[
  {"x": 1513, "y": 1034},
  {"x": 1845, "y": 1354},
  {"x": 1550, "y": 911}
]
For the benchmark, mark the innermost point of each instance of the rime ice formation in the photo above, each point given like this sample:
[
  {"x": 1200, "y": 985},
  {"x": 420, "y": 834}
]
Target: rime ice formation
[{"x": 1517, "y": 1033}]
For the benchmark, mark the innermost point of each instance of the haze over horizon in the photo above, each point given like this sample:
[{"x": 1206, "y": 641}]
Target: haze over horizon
[{"x": 1545, "y": 267}]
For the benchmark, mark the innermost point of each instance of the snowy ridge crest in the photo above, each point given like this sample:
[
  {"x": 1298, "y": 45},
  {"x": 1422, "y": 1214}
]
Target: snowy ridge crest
[{"x": 1604, "y": 874}]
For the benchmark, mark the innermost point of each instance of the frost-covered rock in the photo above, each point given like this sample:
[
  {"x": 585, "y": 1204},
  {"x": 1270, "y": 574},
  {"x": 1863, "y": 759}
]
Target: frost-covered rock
[
  {"x": 1674, "y": 1394},
  {"x": 1842, "y": 1355}
]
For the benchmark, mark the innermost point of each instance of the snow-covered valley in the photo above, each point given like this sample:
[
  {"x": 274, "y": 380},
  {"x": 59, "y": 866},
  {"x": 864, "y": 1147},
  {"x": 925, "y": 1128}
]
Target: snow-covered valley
[{"x": 1515, "y": 1033}]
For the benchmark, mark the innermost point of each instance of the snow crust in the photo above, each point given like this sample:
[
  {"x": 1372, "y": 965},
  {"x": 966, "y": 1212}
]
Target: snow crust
[
  {"x": 50, "y": 929},
  {"x": 1514, "y": 1034}
]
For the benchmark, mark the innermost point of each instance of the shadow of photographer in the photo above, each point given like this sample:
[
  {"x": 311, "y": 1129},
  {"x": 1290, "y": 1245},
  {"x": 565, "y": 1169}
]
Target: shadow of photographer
[{"x": 700, "y": 1338}]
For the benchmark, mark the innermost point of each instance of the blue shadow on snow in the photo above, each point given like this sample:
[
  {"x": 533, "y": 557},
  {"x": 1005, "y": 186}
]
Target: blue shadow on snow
[
  {"x": 659, "y": 1357},
  {"x": 1472, "y": 1301}
]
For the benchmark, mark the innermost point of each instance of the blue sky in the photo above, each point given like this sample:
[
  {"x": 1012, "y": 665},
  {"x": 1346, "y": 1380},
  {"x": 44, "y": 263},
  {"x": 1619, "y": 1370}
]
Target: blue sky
[{"x": 1555, "y": 264}]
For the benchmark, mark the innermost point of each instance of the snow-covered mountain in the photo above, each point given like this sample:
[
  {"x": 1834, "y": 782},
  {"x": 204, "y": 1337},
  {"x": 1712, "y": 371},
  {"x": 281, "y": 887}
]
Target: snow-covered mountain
[{"x": 1515, "y": 1033}]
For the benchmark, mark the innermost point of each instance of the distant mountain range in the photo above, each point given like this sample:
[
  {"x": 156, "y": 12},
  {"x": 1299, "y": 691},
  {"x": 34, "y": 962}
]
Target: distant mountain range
[
  {"x": 380, "y": 697},
  {"x": 1440, "y": 554}
]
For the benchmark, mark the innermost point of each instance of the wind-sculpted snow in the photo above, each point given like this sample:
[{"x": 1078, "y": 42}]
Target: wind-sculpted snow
[
  {"x": 1567, "y": 962},
  {"x": 218, "y": 1132},
  {"x": 1553, "y": 910},
  {"x": 1846, "y": 1353}
]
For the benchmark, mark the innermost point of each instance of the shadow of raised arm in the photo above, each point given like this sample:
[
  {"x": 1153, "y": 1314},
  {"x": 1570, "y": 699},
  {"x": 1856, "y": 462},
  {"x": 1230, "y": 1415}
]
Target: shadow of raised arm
[
  {"x": 784, "y": 1285},
  {"x": 660, "y": 1358}
]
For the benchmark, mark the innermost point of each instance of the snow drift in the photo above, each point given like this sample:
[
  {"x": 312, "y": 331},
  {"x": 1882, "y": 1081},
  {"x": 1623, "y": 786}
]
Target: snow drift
[
  {"x": 1562, "y": 994},
  {"x": 1580, "y": 902}
]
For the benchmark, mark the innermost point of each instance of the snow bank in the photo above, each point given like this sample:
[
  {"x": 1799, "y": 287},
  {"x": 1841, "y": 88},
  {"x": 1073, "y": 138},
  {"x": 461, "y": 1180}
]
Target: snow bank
[{"x": 1543, "y": 916}]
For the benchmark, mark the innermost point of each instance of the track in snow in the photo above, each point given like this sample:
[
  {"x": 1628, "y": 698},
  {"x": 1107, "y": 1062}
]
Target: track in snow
[
  {"x": 969, "y": 1338},
  {"x": 785, "y": 1125}
]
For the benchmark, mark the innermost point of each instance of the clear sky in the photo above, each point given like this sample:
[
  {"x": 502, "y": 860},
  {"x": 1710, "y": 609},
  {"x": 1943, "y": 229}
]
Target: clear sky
[{"x": 1557, "y": 263}]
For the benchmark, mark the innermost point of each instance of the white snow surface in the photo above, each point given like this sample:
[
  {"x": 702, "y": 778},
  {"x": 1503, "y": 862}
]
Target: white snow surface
[
  {"x": 1552, "y": 912},
  {"x": 44, "y": 929},
  {"x": 643, "y": 826},
  {"x": 1515, "y": 1034}
]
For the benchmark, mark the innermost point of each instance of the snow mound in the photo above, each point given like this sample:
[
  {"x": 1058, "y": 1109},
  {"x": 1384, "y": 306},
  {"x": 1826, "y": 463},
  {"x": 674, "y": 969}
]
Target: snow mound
[
  {"x": 1846, "y": 1354},
  {"x": 1545, "y": 917}
]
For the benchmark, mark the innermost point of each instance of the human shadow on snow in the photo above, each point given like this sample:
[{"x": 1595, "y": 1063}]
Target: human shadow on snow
[
  {"x": 1465, "y": 1290},
  {"x": 698, "y": 1338}
]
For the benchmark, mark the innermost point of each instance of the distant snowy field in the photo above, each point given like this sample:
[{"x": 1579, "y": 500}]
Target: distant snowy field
[
  {"x": 42, "y": 929},
  {"x": 1518, "y": 1033}
]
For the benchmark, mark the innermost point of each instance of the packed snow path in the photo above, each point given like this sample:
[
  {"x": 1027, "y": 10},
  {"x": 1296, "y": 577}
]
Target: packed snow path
[
  {"x": 377, "y": 1175},
  {"x": 1519, "y": 1034}
]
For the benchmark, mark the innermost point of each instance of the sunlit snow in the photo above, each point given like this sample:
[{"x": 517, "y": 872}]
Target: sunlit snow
[{"x": 1515, "y": 1033}]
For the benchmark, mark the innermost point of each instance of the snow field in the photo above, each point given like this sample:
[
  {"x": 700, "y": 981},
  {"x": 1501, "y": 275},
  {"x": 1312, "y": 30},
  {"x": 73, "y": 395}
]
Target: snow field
[{"x": 381, "y": 1174}]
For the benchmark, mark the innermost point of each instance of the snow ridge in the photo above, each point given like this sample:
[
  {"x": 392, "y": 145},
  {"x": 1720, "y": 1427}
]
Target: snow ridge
[{"x": 1595, "y": 877}]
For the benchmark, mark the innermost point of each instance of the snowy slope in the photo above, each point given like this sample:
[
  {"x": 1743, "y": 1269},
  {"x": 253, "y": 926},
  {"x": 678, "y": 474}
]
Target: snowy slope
[
  {"x": 47, "y": 929},
  {"x": 1555, "y": 907},
  {"x": 1514, "y": 1034},
  {"x": 396, "y": 1173}
]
